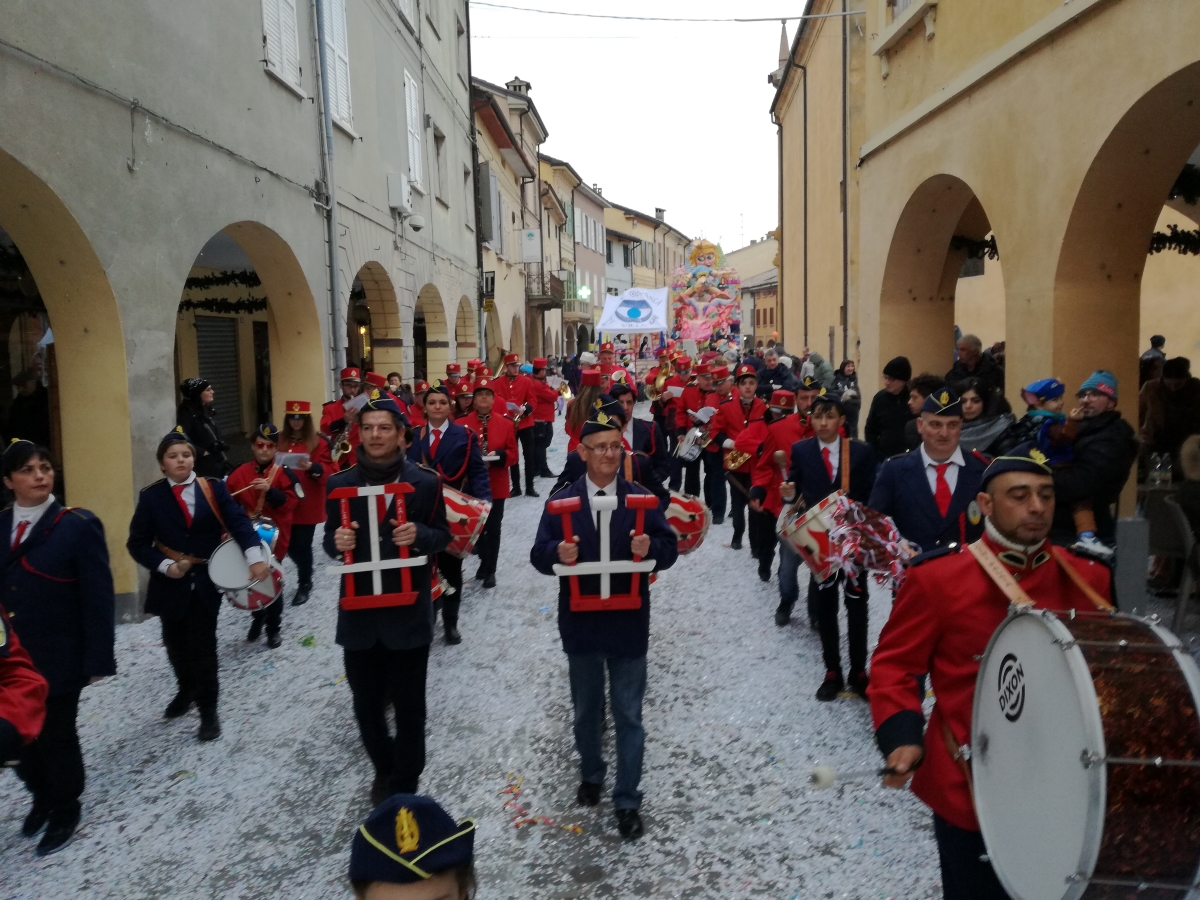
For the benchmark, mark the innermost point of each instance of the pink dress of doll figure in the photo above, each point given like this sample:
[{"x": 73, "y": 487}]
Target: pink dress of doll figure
[{"x": 704, "y": 293}]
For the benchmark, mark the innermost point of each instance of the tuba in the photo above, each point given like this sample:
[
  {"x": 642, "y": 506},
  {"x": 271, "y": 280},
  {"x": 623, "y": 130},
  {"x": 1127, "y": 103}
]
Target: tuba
[{"x": 655, "y": 388}]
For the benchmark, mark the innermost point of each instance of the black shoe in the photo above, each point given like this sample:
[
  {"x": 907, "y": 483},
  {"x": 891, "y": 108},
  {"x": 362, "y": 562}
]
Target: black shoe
[
  {"x": 858, "y": 684},
  {"x": 718, "y": 520},
  {"x": 256, "y": 627},
  {"x": 452, "y": 635},
  {"x": 764, "y": 573},
  {"x": 274, "y": 641},
  {"x": 489, "y": 580},
  {"x": 546, "y": 474},
  {"x": 515, "y": 492},
  {"x": 530, "y": 492},
  {"x": 210, "y": 725},
  {"x": 830, "y": 687},
  {"x": 735, "y": 544},
  {"x": 301, "y": 595},
  {"x": 59, "y": 830},
  {"x": 783, "y": 615},
  {"x": 629, "y": 823},
  {"x": 380, "y": 790},
  {"x": 588, "y": 793},
  {"x": 177, "y": 707},
  {"x": 36, "y": 820}
]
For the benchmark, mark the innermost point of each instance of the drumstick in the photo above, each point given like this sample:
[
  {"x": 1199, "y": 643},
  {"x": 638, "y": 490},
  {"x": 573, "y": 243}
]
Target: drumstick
[{"x": 824, "y": 776}]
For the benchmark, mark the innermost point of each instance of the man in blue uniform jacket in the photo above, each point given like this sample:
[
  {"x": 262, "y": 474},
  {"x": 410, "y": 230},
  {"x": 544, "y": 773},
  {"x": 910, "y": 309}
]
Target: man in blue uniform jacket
[
  {"x": 386, "y": 648},
  {"x": 56, "y": 582},
  {"x": 612, "y": 639},
  {"x": 819, "y": 467},
  {"x": 930, "y": 492}
]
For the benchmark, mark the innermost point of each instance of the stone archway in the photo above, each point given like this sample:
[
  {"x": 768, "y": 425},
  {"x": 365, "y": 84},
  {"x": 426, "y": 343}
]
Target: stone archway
[
  {"x": 547, "y": 343},
  {"x": 570, "y": 340},
  {"x": 516, "y": 339},
  {"x": 382, "y": 342},
  {"x": 917, "y": 311},
  {"x": 582, "y": 339},
  {"x": 558, "y": 344},
  {"x": 466, "y": 338},
  {"x": 431, "y": 337},
  {"x": 493, "y": 340},
  {"x": 90, "y": 357},
  {"x": 1098, "y": 280}
]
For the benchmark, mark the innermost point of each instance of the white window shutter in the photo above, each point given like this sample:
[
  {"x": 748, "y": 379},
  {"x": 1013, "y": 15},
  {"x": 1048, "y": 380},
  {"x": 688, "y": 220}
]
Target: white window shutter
[
  {"x": 289, "y": 40},
  {"x": 494, "y": 187},
  {"x": 412, "y": 111},
  {"x": 406, "y": 9},
  {"x": 338, "y": 56},
  {"x": 272, "y": 46}
]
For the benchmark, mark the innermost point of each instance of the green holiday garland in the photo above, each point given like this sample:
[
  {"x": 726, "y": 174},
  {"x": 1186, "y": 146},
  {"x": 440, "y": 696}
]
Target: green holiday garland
[{"x": 225, "y": 305}]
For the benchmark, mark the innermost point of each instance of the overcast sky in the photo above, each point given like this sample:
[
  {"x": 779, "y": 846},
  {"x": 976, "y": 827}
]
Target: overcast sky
[{"x": 666, "y": 114}]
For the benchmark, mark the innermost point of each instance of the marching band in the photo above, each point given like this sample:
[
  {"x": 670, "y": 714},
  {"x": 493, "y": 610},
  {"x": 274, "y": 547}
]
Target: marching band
[{"x": 406, "y": 491}]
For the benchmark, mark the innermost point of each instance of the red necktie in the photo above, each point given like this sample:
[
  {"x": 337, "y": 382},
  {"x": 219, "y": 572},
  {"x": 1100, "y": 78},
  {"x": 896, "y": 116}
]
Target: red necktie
[
  {"x": 828, "y": 463},
  {"x": 381, "y": 503},
  {"x": 187, "y": 515},
  {"x": 625, "y": 443},
  {"x": 941, "y": 492},
  {"x": 435, "y": 438},
  {"x": 21, "y": 528}
]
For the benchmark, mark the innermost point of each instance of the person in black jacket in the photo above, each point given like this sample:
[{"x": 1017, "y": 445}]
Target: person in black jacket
[
  {"x": 889, "y": 413},
  {"x": 1105, "y": 449},
  {"x": 179, "y": 522},
  {"x": 57, "y": 584},
  {"x": 845, "y": 385},
  {"x": 974, "y": 363},
  {"x": 774, "y": 374},
  {"x": 195, "y": 416},
  {"x": 385, "y": 621}
]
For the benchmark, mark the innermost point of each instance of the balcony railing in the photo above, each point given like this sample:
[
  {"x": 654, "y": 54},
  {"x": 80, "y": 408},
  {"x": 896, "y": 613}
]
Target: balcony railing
[{"x": 543, "y": 289}]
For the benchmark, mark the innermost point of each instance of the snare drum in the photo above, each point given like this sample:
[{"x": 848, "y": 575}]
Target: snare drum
[
  {"x": 808, "y": 534},
  {"x": 259, "y": 594},
  {"x": 227, "y": 566},
  {"x": 466, "y": 517},
  {"x": 689, "y": 518},
  {"x": 1085, "y": 752},
  {"x": 689, "y": 448}
]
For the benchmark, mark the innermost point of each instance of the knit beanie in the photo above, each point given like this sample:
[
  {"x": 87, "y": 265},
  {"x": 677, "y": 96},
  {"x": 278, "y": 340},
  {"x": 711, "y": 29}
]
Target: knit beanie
[{"x": 899, "y": 368}]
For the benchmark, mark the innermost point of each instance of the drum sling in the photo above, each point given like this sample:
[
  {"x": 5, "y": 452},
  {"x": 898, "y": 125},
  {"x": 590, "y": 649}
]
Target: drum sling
[{"x": 205, "y": 488}]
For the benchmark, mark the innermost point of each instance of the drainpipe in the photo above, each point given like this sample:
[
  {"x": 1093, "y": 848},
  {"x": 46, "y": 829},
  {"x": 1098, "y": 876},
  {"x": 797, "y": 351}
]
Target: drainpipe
[
  {"x": 337, "y": 315},
  {"x": 480, "y": 340},
  {"x": 845, "y": 189}
]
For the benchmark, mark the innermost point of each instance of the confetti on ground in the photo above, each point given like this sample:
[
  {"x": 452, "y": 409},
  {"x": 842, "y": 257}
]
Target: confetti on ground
[{"x": 308, "y": 641}]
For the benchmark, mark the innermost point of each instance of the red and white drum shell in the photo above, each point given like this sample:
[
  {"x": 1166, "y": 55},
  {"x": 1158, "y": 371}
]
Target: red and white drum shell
[
  {"x": 260, "y": 594},
  {"x": 689, "y": 518},
  {"x": 808, "y": 534},
  {"x": 466, "y": 517},
  {"x": 1085, "y": 757}
]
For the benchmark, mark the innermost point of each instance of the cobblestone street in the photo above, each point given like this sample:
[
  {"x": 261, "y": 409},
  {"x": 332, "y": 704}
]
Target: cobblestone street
[{"x": 268, "y": 810}]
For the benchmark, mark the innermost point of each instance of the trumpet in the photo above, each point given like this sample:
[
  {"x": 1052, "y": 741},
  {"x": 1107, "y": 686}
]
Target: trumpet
[{"x": 341, "y": 448}]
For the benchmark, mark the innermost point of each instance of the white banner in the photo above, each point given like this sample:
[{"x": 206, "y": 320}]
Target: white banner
[
  {"x": 636, "y": 310},
  {"x": 531, "y": 245}
]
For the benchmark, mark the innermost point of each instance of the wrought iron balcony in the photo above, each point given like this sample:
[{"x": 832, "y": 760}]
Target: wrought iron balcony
[{"x": 543, "y": 290}]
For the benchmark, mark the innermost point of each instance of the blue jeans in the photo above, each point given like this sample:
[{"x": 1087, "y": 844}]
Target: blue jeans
[
  {"x": 789, "y": 574},
  {"x": 627, "y": 687}
]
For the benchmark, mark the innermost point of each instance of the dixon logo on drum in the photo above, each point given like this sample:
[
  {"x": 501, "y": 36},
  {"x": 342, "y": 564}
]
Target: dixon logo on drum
[{"x": 1011, "y": 685}]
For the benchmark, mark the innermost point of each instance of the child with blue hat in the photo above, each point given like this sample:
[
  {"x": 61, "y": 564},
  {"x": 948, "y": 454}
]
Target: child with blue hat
[{"x": 409, "y": 848}]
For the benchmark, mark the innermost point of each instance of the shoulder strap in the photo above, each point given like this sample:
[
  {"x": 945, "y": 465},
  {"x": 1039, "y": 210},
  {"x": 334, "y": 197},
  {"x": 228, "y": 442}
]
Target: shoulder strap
[
  {"x": 206, "y": 489},
  {"x": 1062, "y": 558},
  {"x": 1000, "y": 576},
  {"x": 846, "y": 464}
]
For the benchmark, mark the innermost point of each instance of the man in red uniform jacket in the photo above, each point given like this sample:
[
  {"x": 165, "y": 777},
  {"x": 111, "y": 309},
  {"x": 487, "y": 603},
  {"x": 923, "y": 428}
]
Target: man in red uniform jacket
[
  {"x": 941, "y": 622},
  {"x": 673, "y": 388},
  {"x": 498, "y": 441},
  {"x": 337, "y": 420},
  {"x": 545, "y": 401},
  {"x": 607, "y": 356},
  {"x": 694, "y": 398},
  {"x": 734, "y": 416},
  {"x": 265, "y": 489},
  {"x": 22, "y": 695},
  {"x": 514, "y": 394}
]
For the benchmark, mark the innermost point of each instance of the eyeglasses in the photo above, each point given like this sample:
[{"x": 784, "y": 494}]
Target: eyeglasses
[{"x": 605, "y": 449}]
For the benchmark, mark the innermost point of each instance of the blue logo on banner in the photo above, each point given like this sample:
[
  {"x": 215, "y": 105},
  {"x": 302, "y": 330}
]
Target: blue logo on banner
[{"x": 633, "y": 310}]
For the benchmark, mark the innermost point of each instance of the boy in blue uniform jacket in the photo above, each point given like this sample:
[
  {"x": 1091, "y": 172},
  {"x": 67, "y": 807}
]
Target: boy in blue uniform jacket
[
  {"x": 56, "y": 581},
  {"x": 616, "y": 639},
  {"x": 818, "y": 468},
  {"x": 386, "y": 649}
]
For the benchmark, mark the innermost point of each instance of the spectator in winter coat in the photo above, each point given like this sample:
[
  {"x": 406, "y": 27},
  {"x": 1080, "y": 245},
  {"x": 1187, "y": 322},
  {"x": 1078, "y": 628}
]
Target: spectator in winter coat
[
  {"x": 1169, "y": 408},
  {"x": 195, "y": 416},
  {"x": 973, "y": 364},
  {"x": 845, "y": 385},
  {"x": 822, "y": 370},
  {"x": 983, "y": 423},
  {"x": 775, "y": 375},
  {"x": 1105, "y": 449},
  {"x": 889, "y": 413}
]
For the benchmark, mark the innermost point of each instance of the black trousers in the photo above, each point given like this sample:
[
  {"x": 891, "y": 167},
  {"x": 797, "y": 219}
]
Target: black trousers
[
  {"x": 966, "y": 875},
  {"x": 691, "y": 477},
  {"x": 52, "y": 766},
  {"x": 762, "y": 538},
  {"x": 191, "y": 644},
  {"x": 676, "y": 470},
  {"x": 825, "y": 595},
  {"x": 301, "y": 553},
  {"x": 450, "y": 567},
  {"x": 380, "y": 677},
  {"x": 739, "y": 497},
  {"x": 525, "y": 436},
  {"x": 488, "y": 545},
  {"x": 714, "y": 483},
  {"x": 272, "y": 616},
  {"x": 544, "y": 434}
]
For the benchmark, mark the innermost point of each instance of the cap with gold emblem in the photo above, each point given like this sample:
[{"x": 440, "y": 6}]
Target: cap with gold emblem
[
  {"x": 267, "y": 432},
  {"x": 745, "y": 370},
  {"x": 374, "y": 379},
  {"x": 720, "y": 373},
  {"x": 473, "y": 364},
  {"x": 484, "y": 384},
  {"x": 702, "y": 369},
  {"x": 1022, "y": 458},
  {"x": 453, "y": 369},
  {"x": 539, "y": 362},
  {"x": 298, "y": 407},
  {"x": 682, "y": 362},
  {"x": 590, "y": 378},
  {"x": 484, "y": 371},
  {"x": 827, "y": 398},
  {"x": 175, "y": 436},
  {"x": 409, "y": 838},
  {"x": 351, "y": 373},
  {"x": 943, "y": 403},
  {"x": 782, "y": 399},
  {"x": 420, "y": 387},
  {"x": 382, "y": 401},
  {"x": 608, "y": 347},
  {"x": 607, "y": 415},
  {"x": 512, "y": 359}
]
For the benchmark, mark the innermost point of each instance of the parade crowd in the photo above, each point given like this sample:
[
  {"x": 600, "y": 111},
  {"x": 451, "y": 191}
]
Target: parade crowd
[{"x": 409, "y": 483}]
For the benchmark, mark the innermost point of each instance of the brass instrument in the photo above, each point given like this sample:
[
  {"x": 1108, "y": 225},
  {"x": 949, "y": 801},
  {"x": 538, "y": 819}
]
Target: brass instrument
[
  {"x": 342, "y": 447},
  {"x": 655, "y": 388},
  {"x": 564, "y": 390},
  {"x": 735, "y": 459}
]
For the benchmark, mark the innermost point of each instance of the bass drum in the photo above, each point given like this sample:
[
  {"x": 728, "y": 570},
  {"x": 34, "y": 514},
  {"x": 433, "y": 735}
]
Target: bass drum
[
  {"x": 466, "y": 517},
  {"x": 689, "y": 518},
  {"x": 1085, "y": 754}
]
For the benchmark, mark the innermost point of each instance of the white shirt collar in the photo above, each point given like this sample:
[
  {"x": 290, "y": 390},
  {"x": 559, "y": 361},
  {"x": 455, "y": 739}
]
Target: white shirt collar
[
  {"x": 441, "y": 429},
  {"x": 191, "y": 477},
  {"x": 609, "y": 489},
  {"x": 836, "y": 442},
  {"x": 956, "y": 457},
  {"x": 31, "y": 513}
]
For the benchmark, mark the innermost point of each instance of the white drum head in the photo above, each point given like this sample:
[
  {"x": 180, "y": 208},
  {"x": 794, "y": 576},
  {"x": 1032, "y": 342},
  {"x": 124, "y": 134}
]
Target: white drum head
[
  {"x": 227, "y": 567},
  {"x": 1040, "y": 810}
]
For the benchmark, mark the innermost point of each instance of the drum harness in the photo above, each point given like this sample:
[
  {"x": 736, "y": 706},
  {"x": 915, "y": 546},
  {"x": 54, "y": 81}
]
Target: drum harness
[{"x": 205, "y": 488}]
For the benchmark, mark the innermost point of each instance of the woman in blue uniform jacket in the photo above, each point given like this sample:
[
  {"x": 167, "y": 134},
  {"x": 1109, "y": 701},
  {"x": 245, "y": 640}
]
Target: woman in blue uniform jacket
[
  {"x": 454, "y": 453},
  {"x": 174, "y": 531},
  {"x": 56, "y": 583}
]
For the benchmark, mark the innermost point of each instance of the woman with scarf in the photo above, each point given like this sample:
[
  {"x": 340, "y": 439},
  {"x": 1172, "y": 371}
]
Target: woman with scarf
[{"x": 198, "y": 421}]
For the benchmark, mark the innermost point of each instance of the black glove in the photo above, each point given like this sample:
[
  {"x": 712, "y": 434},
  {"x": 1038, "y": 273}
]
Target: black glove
[
  {"x": 10, "y": 742},
  {"x": 758, "y": 492},
  {"x": 500, "y": 462}
]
